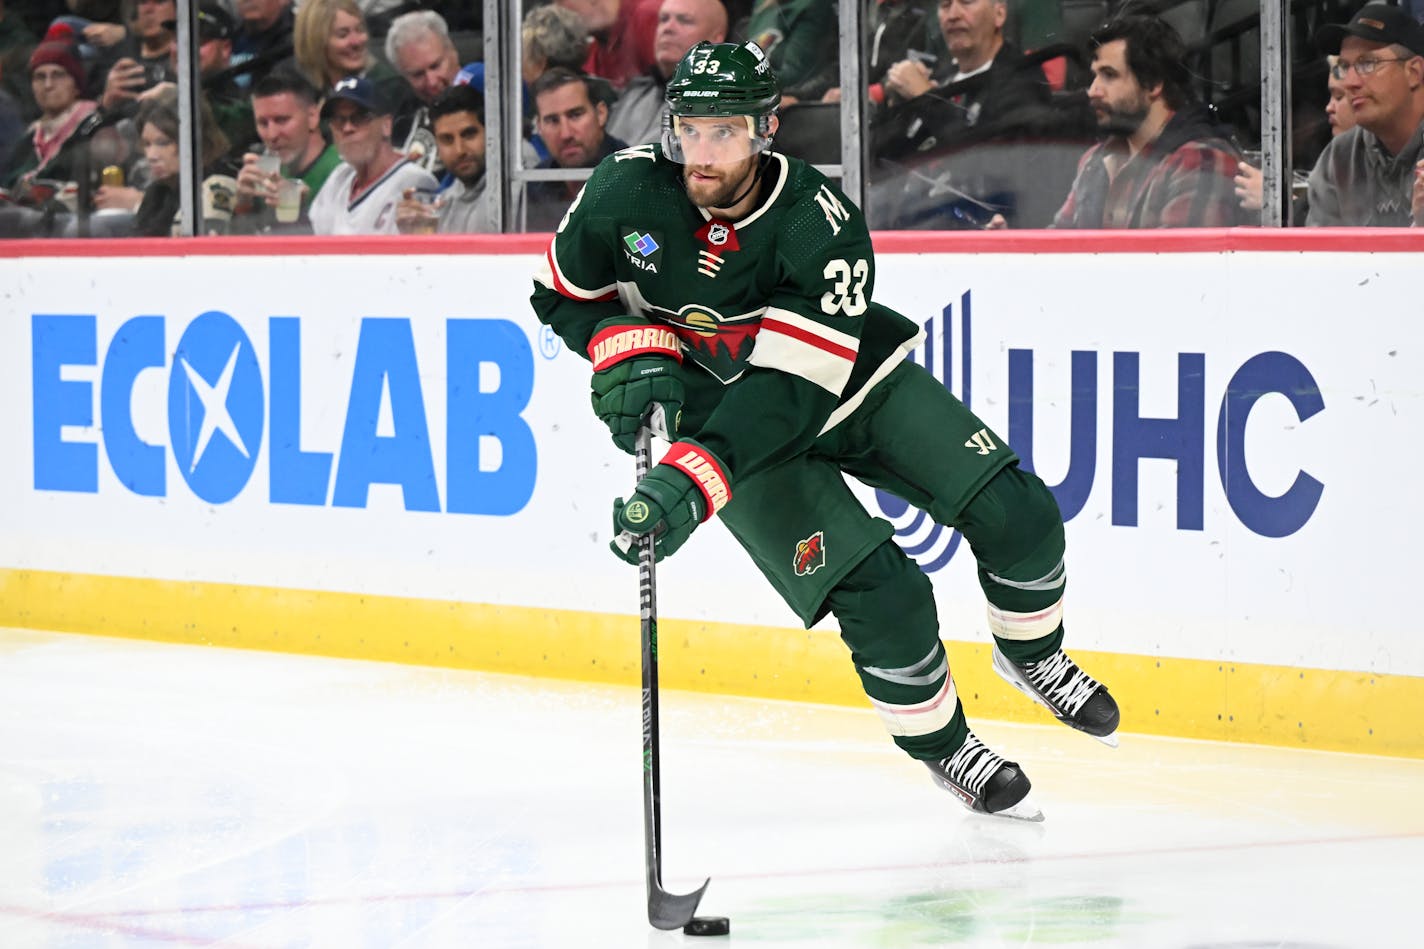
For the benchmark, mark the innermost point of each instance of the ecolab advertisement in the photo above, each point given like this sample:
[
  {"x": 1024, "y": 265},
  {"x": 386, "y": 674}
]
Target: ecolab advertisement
[{"x": 1232, "y": 438}]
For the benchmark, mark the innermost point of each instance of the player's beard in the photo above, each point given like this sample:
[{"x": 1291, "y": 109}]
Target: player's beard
[{"x": 719, "y": 194}]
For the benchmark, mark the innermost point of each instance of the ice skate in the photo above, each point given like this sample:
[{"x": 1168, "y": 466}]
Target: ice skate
[
  {"x": 984, "y": 782},
  {"x": 1075, "y": 698}
]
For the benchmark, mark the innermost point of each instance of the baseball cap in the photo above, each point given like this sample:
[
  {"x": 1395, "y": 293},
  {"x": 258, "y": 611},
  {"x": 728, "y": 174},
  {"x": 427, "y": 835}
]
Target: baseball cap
[
  {"x": 357, "y": 89},
  {"x": 214, "y": 22},
  {"x": 1378, "y": 23}
]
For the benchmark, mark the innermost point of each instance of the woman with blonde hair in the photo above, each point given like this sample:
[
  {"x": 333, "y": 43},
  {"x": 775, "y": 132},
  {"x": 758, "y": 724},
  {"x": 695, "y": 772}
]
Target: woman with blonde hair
[{"x": 331, "y": 42}]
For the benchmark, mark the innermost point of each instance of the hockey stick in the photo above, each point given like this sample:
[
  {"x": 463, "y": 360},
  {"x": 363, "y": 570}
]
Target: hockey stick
[{"x": 665, "y": 910}]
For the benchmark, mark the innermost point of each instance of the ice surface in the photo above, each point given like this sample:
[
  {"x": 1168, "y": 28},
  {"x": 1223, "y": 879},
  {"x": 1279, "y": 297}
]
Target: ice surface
[{"x": 159, "y": 795}]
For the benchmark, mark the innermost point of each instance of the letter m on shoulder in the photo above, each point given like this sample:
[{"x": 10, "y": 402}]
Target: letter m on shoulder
[{"x": 831, "y": 206}]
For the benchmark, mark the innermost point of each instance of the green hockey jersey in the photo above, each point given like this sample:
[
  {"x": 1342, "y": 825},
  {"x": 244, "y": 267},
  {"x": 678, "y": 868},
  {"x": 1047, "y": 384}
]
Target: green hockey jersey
[{"x": 779, "y": 336}]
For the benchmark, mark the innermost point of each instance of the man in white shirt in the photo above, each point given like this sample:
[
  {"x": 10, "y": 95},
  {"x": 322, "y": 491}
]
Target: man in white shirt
[{"x": 361, "y": 195}]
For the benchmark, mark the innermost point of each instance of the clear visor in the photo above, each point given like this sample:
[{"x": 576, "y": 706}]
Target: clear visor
[{"x": 713, "y": 139}]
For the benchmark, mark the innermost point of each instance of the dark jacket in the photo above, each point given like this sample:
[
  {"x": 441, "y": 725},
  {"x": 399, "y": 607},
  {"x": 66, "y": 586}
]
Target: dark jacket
[
  {"x": 66, "y": 164},
  {"x": 254, "y": 55},
  {"x": 896, "y": 28},
  {"x": 548, "y": 200},
  {"x": 1182, "y": 179},
  {"x": 994, "y": 105}
]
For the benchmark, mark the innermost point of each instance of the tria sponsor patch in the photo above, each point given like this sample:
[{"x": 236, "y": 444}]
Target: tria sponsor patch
[
  {"x": 643, "y": 249},
  {"x": 810, "y": 555}
]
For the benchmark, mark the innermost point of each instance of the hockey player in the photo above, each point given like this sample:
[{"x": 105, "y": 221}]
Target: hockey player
[{"x": 724, "y": 291}]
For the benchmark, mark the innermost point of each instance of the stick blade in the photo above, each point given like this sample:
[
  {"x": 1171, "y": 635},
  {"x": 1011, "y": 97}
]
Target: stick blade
[{"x": 672, "y": 910}]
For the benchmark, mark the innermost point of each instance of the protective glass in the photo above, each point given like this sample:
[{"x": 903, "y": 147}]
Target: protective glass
[{"x": 713, "y": 140}]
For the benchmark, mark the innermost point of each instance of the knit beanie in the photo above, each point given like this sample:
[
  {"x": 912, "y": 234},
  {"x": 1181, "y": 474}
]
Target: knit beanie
[{"x": 58, "y": 49}]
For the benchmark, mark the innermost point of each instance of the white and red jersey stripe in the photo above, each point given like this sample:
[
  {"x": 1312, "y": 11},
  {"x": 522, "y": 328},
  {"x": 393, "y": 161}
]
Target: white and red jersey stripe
[
  {"x": 799, "y": 346},
  {"x": 551, "y": 275}
]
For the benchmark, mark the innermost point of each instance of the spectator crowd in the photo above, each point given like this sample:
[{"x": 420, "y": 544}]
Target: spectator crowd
[{"x": 368, "y": 116}]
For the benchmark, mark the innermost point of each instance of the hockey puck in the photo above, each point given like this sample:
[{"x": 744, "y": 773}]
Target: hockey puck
[{"x": 708, "y": 926}]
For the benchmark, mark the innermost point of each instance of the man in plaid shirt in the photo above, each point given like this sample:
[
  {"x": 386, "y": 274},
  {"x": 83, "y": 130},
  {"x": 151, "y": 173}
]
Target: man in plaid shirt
[{"x": 1162, "y": 163}]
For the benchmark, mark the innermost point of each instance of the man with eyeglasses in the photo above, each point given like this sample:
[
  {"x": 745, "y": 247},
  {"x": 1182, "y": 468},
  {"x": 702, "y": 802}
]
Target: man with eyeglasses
[
  {"x": 1371, "y": 174},
  {"x": 361, "y": 195}
]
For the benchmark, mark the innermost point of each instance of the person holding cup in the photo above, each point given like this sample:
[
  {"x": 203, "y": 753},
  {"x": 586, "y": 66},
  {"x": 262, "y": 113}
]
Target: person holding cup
[
  {"x": 419, "y": 212},
  {"x": 458, "y": 120},
  {"x": 361, "y": 195},
  {"x": 288, "y": 118},
  {"x": 158, "y": 214},
  {"x": 1250, "y": 184}
]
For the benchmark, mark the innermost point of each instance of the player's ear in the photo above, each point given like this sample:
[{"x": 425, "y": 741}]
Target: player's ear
[
  {"x": 772, "y": 124},
  {"x": 602, "y": 109}
]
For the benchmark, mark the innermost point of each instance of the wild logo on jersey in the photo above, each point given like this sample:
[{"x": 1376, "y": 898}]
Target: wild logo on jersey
[
  {"x": 720, "y": 344},
  {"x": 810, "y": 555}
]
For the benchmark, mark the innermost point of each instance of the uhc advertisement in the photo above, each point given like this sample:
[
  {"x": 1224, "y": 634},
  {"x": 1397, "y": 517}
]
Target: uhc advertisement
[{"x": 1233, "y": 438}]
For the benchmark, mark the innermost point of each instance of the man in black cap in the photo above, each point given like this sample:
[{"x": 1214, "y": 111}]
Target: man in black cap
[
  {"x": 361, "y": 195},
  {"x": 1368, "y": 175}
]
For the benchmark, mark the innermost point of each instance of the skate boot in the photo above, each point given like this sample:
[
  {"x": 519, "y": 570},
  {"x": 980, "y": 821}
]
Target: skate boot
[
  {"x": 1075, "y": 698},
  {"x": 984, "y": 782}
]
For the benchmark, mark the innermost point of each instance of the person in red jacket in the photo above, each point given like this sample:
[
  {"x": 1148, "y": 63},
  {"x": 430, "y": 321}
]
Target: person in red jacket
[{"x": 623, "y": 33}]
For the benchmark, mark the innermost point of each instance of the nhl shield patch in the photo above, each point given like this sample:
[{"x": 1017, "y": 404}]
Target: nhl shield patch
[{"x": 810, "y": 555}]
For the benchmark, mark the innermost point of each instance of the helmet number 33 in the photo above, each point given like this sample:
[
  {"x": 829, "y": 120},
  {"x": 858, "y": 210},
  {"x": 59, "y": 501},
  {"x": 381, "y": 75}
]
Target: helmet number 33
[
  {"x": 847, "y": 293},
  {"x": 706, "y": 66}
]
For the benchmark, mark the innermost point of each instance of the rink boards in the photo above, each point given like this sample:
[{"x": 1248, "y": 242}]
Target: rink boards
[{"x": 371, "y": 448}]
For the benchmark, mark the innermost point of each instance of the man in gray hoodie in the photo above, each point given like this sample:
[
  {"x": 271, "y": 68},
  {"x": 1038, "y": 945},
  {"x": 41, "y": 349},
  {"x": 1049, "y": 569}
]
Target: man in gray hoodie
[
  {"x": 465, "y": 205},
  {"x": 1366, "y": 176}
]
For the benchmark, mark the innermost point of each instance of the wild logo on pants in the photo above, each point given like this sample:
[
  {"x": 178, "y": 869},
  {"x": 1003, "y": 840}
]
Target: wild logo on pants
[{"x": 810, "y": 555}]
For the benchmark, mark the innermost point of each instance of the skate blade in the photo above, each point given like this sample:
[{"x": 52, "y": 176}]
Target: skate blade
[
  {"x": 1024, "y": 810},
  {"x": 1109, "y": 740}
]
